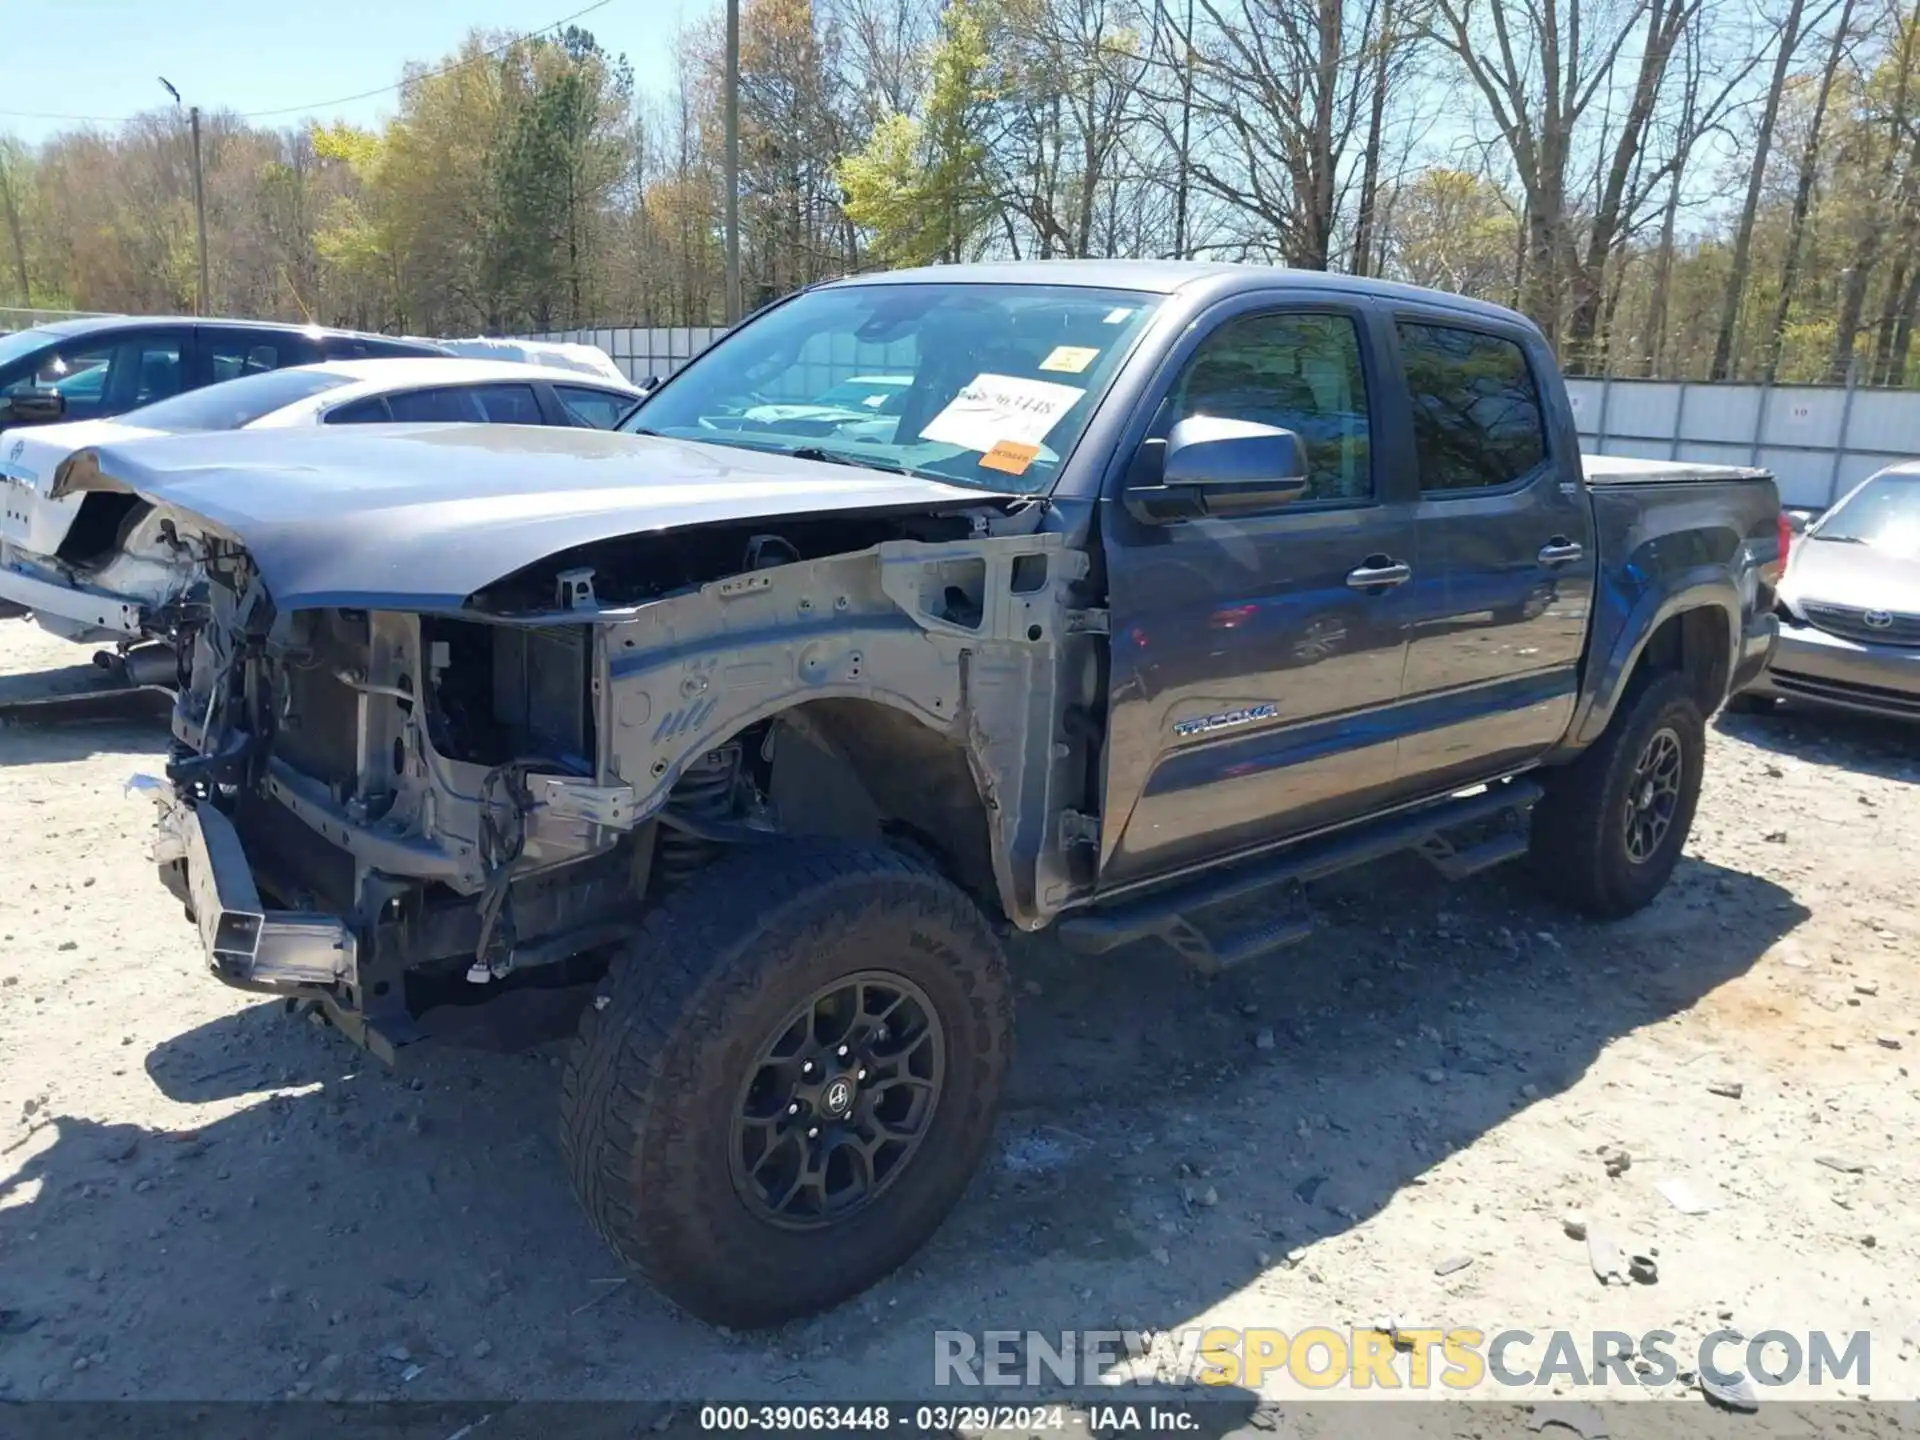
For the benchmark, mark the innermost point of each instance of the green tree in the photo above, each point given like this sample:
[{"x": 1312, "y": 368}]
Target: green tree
[{"x": 921, "y": 187}]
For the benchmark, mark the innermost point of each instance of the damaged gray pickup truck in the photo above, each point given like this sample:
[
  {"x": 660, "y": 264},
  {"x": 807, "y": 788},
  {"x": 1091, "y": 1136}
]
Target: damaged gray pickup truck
[{"x": 1109, "y": 597}]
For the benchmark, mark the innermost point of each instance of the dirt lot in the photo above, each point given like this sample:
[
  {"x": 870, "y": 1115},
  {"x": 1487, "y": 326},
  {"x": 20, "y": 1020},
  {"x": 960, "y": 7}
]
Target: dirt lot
[{"x": 203, "y": 1197}]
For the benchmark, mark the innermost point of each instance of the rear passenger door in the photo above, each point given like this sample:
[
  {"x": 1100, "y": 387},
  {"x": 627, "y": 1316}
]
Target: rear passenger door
[
  {"x": 1498, "y": 615},
  {"x": 1256, "y": 659}
]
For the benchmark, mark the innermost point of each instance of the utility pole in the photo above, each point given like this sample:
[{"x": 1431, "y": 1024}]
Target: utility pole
[
  {"x": 1186, "y": 134},
  {"x": 199, "y": 213},
  {"x": 200, "y": 297},
  {"x": 733, "y": 162}
]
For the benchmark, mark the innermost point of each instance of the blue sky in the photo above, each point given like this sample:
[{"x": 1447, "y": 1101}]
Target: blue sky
[{"x": 99, "y": 57}]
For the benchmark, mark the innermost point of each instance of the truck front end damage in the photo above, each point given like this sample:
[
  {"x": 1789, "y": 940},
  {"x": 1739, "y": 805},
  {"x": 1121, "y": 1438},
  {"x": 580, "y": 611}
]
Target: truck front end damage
[{"x": 398, "y": 815}]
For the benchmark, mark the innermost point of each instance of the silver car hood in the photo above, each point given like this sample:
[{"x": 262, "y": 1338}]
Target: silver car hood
[
  {"x": 419, "y": 517},
  {"x": 1835, "y": 572}
]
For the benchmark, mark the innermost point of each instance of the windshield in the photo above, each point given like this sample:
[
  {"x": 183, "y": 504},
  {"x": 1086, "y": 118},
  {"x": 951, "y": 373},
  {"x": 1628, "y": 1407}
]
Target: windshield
[
  {"x": 234, "y": 403},
  {"x": 1883, "y": 513},
  {"x": 986, "y": 385}
]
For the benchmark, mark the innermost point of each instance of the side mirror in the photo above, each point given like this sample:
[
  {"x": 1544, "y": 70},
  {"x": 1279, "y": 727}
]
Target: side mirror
[
  {"x": 1799, "y": 521},
  {"x": 34, "y": 407},
  {"x": 1213, "y": 466},
  {"x": 649, "y": 385}
]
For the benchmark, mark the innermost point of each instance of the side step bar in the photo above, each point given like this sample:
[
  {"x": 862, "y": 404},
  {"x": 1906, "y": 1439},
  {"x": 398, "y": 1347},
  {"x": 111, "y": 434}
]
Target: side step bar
[
  {"x": 77, "y": 693},
  {"x": 1165, "y": 913}
]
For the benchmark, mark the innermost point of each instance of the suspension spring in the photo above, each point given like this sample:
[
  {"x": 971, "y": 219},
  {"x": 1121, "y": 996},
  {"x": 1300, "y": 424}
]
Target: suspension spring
[{"x": 709, "y": 790}]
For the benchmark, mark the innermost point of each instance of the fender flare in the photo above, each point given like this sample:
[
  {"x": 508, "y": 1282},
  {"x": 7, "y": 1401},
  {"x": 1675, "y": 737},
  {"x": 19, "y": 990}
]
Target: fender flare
[{"x": 1702, "y": 587}]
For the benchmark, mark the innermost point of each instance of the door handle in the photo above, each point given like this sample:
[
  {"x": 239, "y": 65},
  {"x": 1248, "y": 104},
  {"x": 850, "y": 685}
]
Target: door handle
[
  {"x": 1561, "y": 551},
  {"x": 1377, "y": 572}
]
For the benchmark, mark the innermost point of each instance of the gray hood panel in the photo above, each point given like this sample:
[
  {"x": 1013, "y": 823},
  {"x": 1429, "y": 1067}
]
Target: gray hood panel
[{"x": 419, "y": 517}]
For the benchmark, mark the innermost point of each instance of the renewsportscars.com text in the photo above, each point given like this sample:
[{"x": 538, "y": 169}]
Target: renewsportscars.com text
[{"x": 1461, "y": 1358}]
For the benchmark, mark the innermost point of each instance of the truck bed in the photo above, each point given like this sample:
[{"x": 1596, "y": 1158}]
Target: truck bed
[{"x": 1603, "y": 470}]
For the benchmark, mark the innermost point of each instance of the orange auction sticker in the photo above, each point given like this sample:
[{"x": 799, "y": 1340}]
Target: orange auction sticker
[{"x": 1010, "y": 456}]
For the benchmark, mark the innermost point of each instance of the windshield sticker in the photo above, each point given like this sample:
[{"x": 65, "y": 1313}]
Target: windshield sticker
[
  {"x": 992, "y": 408},
  {"x": 1010, "y": 456},
  {"x": 1070, "y": 358},
  {"x": 1119, "y": 317}
]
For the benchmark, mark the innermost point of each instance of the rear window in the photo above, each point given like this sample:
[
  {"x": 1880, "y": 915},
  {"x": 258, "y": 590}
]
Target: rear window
[
  {"x": 234, "y": 403},
  {"x": 360, "y": 347},
  {"x": 1476, "y": 410}
]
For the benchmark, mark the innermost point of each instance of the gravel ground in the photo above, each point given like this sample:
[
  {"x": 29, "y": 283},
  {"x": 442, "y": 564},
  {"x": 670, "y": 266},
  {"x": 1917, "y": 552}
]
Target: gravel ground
[{"x": 202, "y": 1197}]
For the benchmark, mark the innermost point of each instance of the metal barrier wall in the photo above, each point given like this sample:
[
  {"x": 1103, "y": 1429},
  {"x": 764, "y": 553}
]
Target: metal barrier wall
[
  {"x": 1820, "y": 440},
  {"x": 642, "y": 352}
]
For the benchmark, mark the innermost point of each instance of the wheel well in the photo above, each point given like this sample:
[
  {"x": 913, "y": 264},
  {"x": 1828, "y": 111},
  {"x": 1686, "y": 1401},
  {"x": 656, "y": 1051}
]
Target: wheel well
[
  {"x": 1694, "y": 643},
  {"x": 862, "y": 771}
]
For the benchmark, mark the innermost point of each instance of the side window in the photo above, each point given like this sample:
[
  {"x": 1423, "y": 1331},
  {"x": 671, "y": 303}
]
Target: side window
[
  {"x": 371, "y": 411},
  {"x": 449, "y": 403},
  {"x": 1476, "y": 411},
  {"x": 600, "y": 409},
  {"x": 1298, "y": 372},
  {"x": 156, "y": 369},
  {"x": 358, "y": 347},
  {"x": 97, "y": 378},
  {"x": 234, "y": 353},
  {"x": 509, "y": 404},
  {"x": 78, "y": 371}
]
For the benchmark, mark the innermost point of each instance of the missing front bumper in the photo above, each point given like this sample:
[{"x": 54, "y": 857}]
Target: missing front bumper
[{"x": 247, "y": 945}]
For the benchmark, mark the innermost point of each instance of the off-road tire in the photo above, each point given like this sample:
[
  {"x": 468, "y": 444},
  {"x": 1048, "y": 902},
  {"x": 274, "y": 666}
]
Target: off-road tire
[
  {"x": 654, "y": 1077},
  {"x": 1578, "y": 844}
]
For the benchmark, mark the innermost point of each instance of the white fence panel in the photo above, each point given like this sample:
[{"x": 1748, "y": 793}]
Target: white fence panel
[
  {"x": 642, "y": 352},
  {"x": 1819, "y": 440}
]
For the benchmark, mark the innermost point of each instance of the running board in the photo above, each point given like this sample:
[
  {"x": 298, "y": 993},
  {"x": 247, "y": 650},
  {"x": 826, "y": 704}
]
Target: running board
[
  {"x": 1166, "y": 914},
  {"x": 76, "y": 693}
]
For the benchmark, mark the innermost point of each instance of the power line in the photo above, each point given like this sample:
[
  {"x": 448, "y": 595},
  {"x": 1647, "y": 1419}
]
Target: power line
[
  {"x": 85, "y": 119},
  {"x": 497, "y": 51},
  {"x": 494, "y": 53}
]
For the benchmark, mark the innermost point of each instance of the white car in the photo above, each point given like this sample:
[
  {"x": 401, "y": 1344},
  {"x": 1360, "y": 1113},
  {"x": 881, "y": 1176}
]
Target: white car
[
  {"x": 98, "y": 567},
  {"x": 552, "y": 354}
]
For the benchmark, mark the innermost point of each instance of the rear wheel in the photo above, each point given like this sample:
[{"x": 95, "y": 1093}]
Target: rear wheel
[
  {"x": 788, "y": 1079},
  {"x": 1610, "y": 829}
]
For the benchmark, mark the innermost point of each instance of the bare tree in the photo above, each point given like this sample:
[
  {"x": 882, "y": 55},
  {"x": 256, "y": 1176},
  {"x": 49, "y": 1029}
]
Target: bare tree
[
  {"x": 1789, "y": 42},
  {"x": 1539, "y": 68},
  {"x": 10, "y": 208},
  {"x": 1803, "y": 190},
  {"x": 1884, "y": 199}
]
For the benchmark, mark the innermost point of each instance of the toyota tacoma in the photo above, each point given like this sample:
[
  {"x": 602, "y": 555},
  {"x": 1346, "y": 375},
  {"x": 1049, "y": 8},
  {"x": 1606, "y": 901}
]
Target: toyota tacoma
[{"x": 1157, "y": 588}]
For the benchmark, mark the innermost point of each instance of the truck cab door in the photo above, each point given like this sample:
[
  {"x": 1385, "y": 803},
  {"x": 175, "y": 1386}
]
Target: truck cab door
[
  {"x": 1254, "y": 657},
  {"x": 1505, "y": 552}
]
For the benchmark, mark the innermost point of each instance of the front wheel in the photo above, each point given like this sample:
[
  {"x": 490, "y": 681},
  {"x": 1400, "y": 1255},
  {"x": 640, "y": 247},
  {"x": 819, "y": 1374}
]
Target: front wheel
[
  {"x": 788, "y": 1079},
  {"x": 1611, "y": 826}
]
